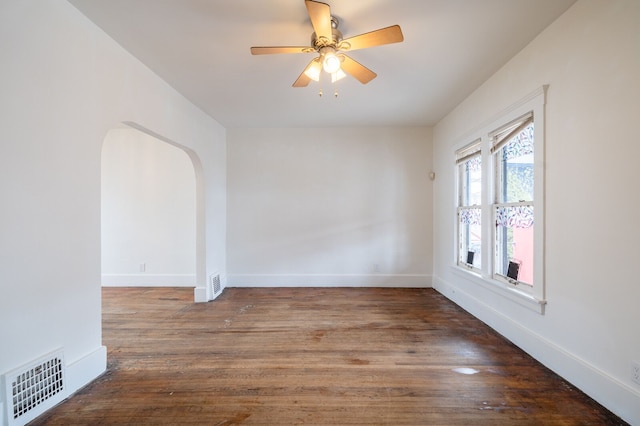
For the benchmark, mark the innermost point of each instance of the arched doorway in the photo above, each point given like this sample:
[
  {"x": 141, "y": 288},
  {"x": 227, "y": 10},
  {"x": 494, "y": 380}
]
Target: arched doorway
[{"x": 150, "y": 203}]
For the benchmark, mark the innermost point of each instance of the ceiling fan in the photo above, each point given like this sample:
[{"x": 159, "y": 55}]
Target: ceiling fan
[{"x": 327, "y": 41}]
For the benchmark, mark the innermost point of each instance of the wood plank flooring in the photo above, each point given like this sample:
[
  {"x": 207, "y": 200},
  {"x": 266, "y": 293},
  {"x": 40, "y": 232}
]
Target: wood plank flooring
[{"x": 321, "y": 356}]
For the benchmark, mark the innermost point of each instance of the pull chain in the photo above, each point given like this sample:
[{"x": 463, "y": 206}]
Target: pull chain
[{"x": 321, "y": 93}]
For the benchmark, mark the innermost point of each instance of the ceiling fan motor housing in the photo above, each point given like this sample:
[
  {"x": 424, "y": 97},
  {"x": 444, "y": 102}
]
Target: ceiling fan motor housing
[{"x": 336, "y": 37}]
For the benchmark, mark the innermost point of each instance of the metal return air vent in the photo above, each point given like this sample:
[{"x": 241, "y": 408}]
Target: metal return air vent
[
  {"x": 34, "y": 388},
  {"x": 214, "y": 282}
]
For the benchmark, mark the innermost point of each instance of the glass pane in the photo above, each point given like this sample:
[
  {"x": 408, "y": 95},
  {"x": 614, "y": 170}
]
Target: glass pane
[
  {"x": 514, "y": 216},
  {"x": 470, "y": 227},
  {"x": 515, "y": 168},
  {"x": 514, "y": 241},
  {"x": 472, "y": 181}
]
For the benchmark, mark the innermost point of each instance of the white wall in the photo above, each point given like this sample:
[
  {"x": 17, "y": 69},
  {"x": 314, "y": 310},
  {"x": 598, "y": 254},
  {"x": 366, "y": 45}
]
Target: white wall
[
  {"x": 148, "y": 212},
  {"x": 329, "y": 207},
  {"x": 64, "y": 84},
  {"x": 590, "y": 57}
]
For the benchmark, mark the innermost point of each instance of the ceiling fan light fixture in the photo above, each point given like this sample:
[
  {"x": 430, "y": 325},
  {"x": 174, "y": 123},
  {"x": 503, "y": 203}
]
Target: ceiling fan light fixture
[
  {"x": 313, "y": 70},
  {"x": 330, "y": 61},
  {"x": 338, "y": 75}
]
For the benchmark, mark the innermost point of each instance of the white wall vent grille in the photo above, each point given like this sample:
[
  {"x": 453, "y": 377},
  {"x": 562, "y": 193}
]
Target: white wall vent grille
[
  {"x": 214, "y": 281},
  {"x": 35, "y": 387}
]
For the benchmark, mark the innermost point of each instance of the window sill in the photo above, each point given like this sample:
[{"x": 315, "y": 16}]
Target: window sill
[{"x": 503, "y": 289}]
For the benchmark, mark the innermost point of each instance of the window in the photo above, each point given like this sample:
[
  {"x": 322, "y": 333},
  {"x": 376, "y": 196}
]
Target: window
[
  {"x": 469, "y": 163},
  {"x": 513, "y": 209},
  {"x": 500, "y": 211}
]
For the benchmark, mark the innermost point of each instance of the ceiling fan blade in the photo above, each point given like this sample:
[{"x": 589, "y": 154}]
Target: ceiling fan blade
[
  {"x": 302, "y": 81},
  {"x": 320, "y": 15},
  {"x": 270, "y": 50},
  {"x": 392, "y": 34},
  {"x": 314, "y": 67},
  {"x": 357, "y": 70}
]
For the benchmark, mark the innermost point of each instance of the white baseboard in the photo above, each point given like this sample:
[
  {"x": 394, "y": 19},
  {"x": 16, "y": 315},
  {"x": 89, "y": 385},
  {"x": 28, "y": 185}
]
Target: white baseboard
[
  {"x": 322, "y": 280},
  {"x": 82, "y": 371},
  {"x": 200, "y": 295},
  {"x": 616, "y": 396},
  {"x": 149, "y": 280}
]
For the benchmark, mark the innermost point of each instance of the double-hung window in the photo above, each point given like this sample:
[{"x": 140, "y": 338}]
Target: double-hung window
[
  {"x": 500, "y": 211},
  {"x": 513, "y": 210},
  {"x": 469, "y": 164}
]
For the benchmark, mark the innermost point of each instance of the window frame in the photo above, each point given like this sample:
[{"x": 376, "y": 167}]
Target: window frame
[
  {"x": 463, "y": 155},
  {"x": 532, "y": 296},
  {"x": 499, "y": 140}
]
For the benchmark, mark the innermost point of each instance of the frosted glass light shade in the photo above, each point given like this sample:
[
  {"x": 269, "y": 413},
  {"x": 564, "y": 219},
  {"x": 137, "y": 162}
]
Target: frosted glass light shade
[{"x": 331, "y": 62}]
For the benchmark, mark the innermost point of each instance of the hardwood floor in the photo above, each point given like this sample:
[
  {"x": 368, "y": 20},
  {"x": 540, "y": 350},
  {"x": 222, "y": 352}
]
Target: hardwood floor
[{"x": 323, "y": 356}]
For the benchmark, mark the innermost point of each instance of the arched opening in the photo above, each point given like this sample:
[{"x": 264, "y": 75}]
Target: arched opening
[{"x": 151, "y": 211}]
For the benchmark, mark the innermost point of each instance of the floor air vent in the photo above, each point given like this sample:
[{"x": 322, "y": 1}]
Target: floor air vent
[
  {"x": 214, "y": 282},
  {"x": 34, "y": 388}
]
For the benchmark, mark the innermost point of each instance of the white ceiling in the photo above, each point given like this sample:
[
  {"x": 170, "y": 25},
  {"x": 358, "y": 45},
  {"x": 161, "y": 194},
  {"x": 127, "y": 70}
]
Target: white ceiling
[{"x": 201, "y": 48}]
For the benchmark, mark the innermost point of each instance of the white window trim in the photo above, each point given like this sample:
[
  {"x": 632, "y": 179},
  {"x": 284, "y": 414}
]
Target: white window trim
[
  {"x": 533, "y": 297},
  {"x": 469, "y": 151}
]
